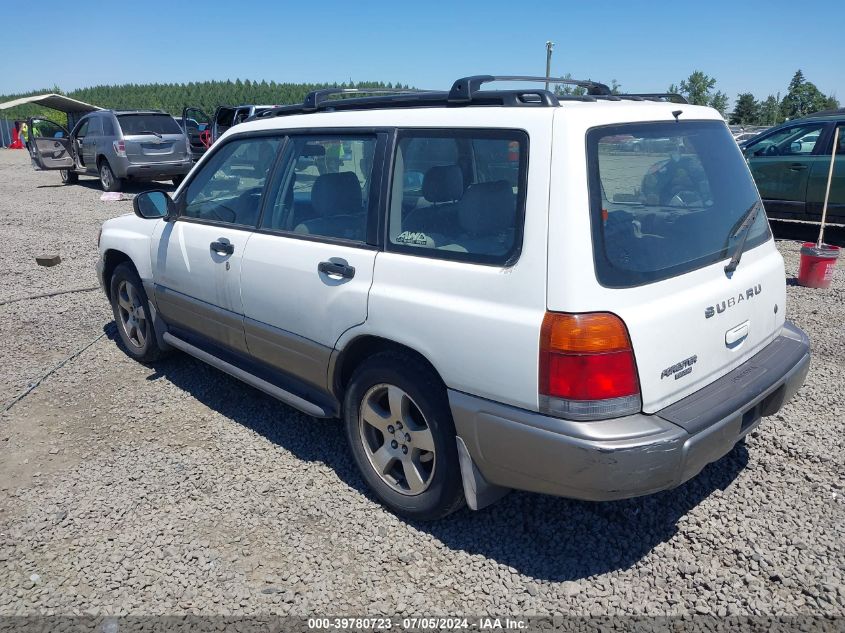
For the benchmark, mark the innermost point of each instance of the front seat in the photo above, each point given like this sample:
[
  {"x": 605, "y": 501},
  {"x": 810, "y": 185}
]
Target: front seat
[{"x": 338, "y": 205}]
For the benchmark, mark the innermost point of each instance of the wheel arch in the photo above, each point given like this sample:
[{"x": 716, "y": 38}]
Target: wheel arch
[
  {"x": 112, "y": 258},
  {"x": 345, "y": 361}
]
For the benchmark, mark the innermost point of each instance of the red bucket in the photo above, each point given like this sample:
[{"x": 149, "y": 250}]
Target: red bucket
[{"x": 817, "y": 264}]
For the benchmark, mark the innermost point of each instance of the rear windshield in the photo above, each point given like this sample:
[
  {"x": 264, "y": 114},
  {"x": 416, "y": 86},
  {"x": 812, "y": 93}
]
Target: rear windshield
[
  {"x": 148, "y": 123},
  {"x": 665, "y": 198}
]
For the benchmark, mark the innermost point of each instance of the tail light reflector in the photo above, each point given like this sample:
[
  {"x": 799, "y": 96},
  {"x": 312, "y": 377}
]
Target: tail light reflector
[{"x": 587, "y": 367}]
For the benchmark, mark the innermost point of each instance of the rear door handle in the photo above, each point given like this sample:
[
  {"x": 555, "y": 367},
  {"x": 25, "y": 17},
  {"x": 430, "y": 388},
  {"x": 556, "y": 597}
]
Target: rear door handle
[
  {"x": 222, "y": 247},
  {"x": 797, "y": 166},
  {"x": 737, "y": 334},
  {"x": 336, "y": 269}
]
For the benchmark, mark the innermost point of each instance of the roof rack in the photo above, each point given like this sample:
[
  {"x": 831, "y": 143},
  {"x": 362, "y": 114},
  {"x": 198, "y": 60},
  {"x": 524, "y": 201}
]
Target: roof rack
[
  {"x": 316, "y": 98},
  {"x": 656, "y": 96},
  {"x": 465, "y": 88},
  {"x": 464, "y": 91}
]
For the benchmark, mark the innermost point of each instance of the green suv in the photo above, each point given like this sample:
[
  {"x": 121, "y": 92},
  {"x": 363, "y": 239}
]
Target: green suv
[{"x": 790, "y": 164}]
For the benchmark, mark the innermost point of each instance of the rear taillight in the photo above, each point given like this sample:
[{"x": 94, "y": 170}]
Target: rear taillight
[
  {"x": 119, "y": 148},
  {"x": 587, "y": 367}
]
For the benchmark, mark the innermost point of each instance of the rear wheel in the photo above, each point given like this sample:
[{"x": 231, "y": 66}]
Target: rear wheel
[
  {"x": 132, "y": 315},
  {"x": 402, "y": 437},
  {"x": 69, "y": 177},
  {"x": 108, "y": 180}
]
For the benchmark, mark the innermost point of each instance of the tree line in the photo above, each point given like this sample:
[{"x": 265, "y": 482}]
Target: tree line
[
  {"x": 175, "y": 97},
  {"x": 802, "y": 98}
]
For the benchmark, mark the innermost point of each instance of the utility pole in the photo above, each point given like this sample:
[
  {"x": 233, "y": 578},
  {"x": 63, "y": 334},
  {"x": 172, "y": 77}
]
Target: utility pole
[{"x": 550, "y": 46}]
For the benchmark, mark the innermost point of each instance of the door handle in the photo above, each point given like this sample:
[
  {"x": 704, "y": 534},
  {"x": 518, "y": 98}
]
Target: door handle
[
  {"x": 797, "y": 166},
  {"x": 336, "y": 269},
  {"x": 222, "y": 247}
]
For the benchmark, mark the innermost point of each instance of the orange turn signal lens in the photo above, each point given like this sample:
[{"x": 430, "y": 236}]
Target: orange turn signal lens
[{"x": 592, "y": 333}]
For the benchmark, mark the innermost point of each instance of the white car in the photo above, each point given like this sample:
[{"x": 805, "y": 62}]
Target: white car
[{"x": 486, "y": 290}]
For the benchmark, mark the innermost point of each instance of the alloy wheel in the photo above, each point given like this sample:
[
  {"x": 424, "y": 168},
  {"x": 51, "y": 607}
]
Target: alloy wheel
[
  {"x": 397, "y": 439},
  {"x": 133, "y": 319}
]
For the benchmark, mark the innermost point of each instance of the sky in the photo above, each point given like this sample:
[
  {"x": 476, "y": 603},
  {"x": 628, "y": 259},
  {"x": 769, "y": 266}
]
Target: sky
[{"x": 751, "y": 46}]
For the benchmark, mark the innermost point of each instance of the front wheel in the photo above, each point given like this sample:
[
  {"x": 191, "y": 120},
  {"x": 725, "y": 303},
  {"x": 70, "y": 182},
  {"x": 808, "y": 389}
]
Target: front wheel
[
  {"x": 132, "y": 315},
  {"x": 69, "y": 177},
  {"x": 108, "y": 180},
  {"x": 400, "y": 429}
]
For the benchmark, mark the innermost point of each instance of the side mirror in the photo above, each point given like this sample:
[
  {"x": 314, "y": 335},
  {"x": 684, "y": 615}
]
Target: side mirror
[
  {"x": 795, "y": 148},
  {"x": 153, "y": 205}
]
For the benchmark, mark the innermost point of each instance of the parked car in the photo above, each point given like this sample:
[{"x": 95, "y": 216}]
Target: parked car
[
  {"x": 209, "y": 129},
  {"x": 791, "y": 162},
  {"x": 115, "y": 145},
  {"x": 480, "y": 284}
]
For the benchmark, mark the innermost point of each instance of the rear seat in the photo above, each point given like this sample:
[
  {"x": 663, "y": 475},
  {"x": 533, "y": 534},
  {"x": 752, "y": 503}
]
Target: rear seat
[
  {"x": 443, "y": 187},
  {"x": 486, "y": 215}
]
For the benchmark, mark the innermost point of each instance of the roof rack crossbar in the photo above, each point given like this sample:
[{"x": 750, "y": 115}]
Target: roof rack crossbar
[
  {"x": 463, "y": 89},
  {"x": 316, "y": 98},
  {"x": 658, "y": 96}
]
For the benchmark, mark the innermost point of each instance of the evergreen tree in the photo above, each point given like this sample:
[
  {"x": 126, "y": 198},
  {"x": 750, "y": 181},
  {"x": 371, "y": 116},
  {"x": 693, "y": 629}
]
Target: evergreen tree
[{"x": 746, "y": 111}]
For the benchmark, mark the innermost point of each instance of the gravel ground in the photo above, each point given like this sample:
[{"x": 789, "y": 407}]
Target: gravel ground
[{"x": 172, "y": 489}]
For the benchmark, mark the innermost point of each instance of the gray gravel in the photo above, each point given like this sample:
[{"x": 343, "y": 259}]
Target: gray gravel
[{"x": 175, "y": 489}]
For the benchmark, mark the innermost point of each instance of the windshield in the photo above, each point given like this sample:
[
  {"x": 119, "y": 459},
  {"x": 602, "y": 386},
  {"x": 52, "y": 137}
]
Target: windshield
[
  {"x": 148, "y": 123},
  {"x": 666, "y": 198}
]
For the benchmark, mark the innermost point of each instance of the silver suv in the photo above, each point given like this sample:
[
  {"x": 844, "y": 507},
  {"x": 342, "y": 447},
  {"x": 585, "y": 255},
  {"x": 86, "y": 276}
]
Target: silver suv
[{"x": 115, "y": 145}]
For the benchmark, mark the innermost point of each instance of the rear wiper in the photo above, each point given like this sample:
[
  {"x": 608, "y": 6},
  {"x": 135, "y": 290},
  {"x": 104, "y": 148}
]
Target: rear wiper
[
  {"x": 150, "y": 132},
  {"x": 744, "y": 227}
]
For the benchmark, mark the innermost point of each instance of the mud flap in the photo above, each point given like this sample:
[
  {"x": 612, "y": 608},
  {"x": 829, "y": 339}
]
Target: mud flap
[{"x": 479, "y": 493}]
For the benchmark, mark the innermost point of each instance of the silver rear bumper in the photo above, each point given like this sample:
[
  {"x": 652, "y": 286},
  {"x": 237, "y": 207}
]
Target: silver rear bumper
[{"x": 630, "y": 456}]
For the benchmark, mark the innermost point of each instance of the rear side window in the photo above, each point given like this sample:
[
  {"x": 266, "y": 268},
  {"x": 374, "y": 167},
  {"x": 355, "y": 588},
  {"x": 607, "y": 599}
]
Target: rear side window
[
  {"x": 459, "y": 194},
  {"x": 108, "y": 126},
  {"x": 665, "y": 199},
  {"x": 95, "y": 128},
  {"x": 148, "y": 123}
]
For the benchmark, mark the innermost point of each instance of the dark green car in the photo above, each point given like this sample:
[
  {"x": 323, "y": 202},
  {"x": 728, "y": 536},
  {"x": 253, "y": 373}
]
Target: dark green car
[{"x": 790, "y": 164}]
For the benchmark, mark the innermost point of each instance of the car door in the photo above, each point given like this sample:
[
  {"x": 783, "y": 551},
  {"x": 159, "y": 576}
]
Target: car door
[
  {"x": 817, "y": 186},
  {"x": 197, "y": 258},
  {"x": 50, "y": 144},
  {"x": 307, "y": 272},
  {"x": 781, "y": 163},
  {"x": 224, "y": 117},
  {"x": 88, "y": 145},
  {"x": 197, "y": 127}
]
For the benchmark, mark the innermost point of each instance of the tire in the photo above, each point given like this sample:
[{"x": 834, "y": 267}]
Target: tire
[
  {"x": 69, "y": 177},
  {"x": 178, "y": 180},
  {"x": 410, "y": 479},
  {"x": 131, "y": 310},
  {"x": 108, "y": 180}
]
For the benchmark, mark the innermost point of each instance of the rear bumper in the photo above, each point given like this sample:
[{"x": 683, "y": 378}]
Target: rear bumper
[
  {"x": 156, "y": 171},
  {"x": 638, "y": 454}
]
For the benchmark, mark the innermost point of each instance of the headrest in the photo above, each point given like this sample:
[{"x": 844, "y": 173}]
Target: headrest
[
  {"x": 444, "y": 183},
  {"x": 336, "y": 194},
  {"x": 488, "y": 207}
]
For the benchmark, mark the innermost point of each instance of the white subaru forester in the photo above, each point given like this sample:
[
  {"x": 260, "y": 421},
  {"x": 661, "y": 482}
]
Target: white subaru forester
[{"x": 494, "y": 289}]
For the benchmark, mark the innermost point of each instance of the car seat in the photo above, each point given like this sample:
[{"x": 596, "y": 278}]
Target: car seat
[{"x": 338, "y": 205}]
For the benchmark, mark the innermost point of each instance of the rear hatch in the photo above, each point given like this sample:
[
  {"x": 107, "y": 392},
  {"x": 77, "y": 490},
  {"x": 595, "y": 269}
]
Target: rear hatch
[
  {"x": 152, "y": 138},
  {"x": 666, "y": 216}
]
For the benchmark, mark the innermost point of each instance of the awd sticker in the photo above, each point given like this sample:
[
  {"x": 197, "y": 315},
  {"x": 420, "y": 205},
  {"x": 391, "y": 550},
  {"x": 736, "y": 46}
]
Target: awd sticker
[
  {"x": 411, "y": 237},
  {"x": 680, "y": 369}
]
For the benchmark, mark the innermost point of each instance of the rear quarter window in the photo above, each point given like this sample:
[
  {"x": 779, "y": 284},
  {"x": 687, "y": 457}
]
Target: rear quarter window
[
  {"x": 459, "y": 194},
  {"x": 665, "y": 197}
]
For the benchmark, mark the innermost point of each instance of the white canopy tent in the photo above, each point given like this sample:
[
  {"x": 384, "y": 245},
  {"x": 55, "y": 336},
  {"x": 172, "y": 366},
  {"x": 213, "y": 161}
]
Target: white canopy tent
[{"x": 73, "y": 108}]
